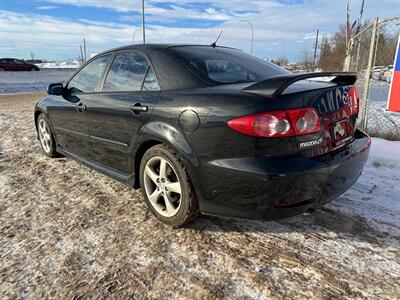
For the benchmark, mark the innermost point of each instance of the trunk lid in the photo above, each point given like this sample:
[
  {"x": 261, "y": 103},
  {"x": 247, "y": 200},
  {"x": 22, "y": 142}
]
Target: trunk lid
[
  {"x": 338, "y": 109},
  {"x": 335, "y": 99}
]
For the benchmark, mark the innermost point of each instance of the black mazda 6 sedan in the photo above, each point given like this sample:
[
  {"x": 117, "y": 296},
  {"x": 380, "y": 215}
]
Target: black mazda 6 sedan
[{"x": 207, "y": 129}]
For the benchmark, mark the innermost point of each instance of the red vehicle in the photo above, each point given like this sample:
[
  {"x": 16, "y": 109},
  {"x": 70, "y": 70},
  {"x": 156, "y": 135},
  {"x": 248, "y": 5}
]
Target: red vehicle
[{"x": 12, "y": 64}]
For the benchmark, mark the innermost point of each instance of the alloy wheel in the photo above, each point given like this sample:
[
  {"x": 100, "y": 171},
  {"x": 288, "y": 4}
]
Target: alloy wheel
[
  {"x": 44, "y": 136},
  {"x": 162, "y": 186}
]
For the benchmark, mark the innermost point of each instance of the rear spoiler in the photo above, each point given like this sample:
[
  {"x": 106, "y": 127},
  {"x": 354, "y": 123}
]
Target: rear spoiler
[{"x": 274, "y": 86}]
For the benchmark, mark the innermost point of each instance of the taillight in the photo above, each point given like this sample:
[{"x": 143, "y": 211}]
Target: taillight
[
  {"x": 354, "y": 101},
  {"x": 304, "y": 120},
  {"x": 278, "y": 123}
]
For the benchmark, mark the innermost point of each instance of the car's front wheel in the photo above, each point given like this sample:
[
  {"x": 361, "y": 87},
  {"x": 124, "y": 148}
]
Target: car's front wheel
[
  {"x": 166, "y": 186},
  {"x": 46, "y": 138}
]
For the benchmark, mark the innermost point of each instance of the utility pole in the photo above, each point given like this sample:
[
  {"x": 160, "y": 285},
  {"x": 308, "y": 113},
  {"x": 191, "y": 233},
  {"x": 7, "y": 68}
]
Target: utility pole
[
  {"x": 143, "y": 24},
  {"x": 347, "y": 24},
  {"x": 315, "y": 49},
  {"x": 133, "y": 38},
  {"x": 81, "y": 54},
  {"x": 252, "y": 34},
  {"x": 84, "y": 49}
]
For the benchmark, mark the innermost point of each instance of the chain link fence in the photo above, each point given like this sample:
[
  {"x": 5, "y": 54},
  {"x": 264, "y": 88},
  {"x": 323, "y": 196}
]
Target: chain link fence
[{"x": 371, "y": 54}]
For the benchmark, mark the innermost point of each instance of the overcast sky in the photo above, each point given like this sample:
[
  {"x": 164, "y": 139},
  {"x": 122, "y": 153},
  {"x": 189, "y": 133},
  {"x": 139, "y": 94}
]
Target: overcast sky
[{"x": 54, "y": 29}]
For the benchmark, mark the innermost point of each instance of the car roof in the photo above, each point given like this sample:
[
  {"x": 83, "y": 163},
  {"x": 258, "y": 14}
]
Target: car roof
[
  {"x": 170, "y": 72},
  {"x": 161, "y": 47}
]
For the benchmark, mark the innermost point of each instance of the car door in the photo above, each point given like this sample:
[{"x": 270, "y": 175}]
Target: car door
[
  {"x": 11, "y": 65},
  {"x": 129, "y": 93},
  {"x": 4, "y": 64},
  {"x": 69, "y": 116},
  {"x": 18, "y": 65}
]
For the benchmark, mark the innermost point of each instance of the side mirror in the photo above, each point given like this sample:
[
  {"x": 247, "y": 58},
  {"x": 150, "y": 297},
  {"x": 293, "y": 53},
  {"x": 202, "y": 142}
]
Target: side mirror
[{"x": 55, "y": 89}]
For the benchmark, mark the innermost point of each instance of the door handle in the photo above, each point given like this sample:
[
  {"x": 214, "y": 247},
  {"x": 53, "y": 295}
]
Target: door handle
[
  {"x": 138, "y": 108},
  {"x": 80, "y": 107}
]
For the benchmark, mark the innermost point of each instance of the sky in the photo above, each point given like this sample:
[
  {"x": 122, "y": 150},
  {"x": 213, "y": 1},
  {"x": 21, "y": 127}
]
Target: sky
[{"x": 54, "y": 29}]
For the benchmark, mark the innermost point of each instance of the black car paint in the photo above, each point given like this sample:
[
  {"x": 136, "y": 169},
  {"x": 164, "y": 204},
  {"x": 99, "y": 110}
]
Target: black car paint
[{"x": 233, "y": 174}]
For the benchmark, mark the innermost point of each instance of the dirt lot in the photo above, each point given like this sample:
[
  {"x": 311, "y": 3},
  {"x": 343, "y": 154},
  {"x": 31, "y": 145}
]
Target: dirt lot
[{"x": 69, "y": 232}]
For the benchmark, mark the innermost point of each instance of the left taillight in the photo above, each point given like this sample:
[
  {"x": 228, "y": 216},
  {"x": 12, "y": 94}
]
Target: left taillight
[{"x": 283, "y": 123}]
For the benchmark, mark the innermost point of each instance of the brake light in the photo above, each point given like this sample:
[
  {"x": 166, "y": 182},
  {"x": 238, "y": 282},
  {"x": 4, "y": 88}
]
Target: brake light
[
  {"x": 284, "y": 123},
  {"x": 304, "y": 120},
  {"x": 354, "y": 101}
]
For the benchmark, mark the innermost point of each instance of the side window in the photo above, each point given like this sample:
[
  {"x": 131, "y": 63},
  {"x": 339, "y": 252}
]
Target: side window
[
  {"x": 150, "y": 82},
  {"x": 88, "y": 78},
  {"x": 126, "y": 73}
]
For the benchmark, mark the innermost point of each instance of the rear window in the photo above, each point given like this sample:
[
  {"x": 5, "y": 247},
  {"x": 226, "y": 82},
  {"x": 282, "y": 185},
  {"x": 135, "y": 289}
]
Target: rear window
[{"x": 224, "y": 65}]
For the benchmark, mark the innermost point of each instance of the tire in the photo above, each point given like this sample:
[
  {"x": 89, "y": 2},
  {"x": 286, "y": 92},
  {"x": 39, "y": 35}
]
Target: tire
[
  {"x": 32, "y": 69},
  {"x": 2, "y": 70},
  {"x": 46, "y": 138},
  {"x": 183, "y": 206}
]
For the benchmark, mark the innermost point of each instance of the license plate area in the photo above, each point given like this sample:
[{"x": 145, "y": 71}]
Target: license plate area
[{"x": 340, "y": 132}]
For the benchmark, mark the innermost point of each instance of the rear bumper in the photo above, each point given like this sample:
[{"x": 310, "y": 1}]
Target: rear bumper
[{"x": 278, "y": 187}]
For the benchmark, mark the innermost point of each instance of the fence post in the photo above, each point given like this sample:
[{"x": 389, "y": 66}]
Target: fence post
[
  {"x": 368, "y": 73},
  {"x": 358, "y": 53}
]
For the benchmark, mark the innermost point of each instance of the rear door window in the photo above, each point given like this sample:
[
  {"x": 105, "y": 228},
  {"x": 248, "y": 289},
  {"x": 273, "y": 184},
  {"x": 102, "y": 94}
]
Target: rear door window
[
  {"x": 150, "y": 82},
  {"x": 127, "y": 73},
  {"x": 87, "y": 79}
]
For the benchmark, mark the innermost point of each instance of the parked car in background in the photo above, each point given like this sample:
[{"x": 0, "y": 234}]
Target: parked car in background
[
  {"x": 206, "y": 129},
  {"x": 376, "y": 71},
  {"x": 13, "y": 64},
  {"x": 382, "y": 73},
  {"x": 387, "y": 74}
]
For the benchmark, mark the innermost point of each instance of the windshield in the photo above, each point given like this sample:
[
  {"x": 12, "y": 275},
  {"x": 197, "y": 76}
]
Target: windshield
[{"x": 224, "y": 65}]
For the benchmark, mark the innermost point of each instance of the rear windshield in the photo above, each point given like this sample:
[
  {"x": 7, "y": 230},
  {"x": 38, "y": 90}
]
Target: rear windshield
[{"x": 224, "y": 65}]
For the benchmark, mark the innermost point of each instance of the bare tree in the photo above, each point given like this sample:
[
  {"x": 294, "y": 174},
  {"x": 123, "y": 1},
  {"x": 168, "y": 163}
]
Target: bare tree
[
  {"x": 306, "y": 59},
  {"x": 32, "y": 56},
  {"x": 281, "y": 61},
  {"x": 333, "y": 51}
]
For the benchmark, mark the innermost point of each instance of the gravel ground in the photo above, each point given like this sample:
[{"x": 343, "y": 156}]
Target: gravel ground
[{"x": 69, "y": 232}]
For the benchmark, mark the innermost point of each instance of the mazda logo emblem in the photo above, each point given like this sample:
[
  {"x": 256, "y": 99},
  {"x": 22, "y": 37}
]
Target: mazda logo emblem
[{"x": 345, "y": 98}]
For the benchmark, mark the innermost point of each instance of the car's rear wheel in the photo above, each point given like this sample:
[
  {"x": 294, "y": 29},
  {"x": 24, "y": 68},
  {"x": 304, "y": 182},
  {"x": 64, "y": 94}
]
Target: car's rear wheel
[
  {"x": 2, "y": 69},
  {"x": 46, "y": 138},
  {"x": 166, "y": 186}
]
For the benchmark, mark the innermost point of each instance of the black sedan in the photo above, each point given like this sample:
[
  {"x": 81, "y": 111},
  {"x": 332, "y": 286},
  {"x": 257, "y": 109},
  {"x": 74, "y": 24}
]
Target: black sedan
[
  {"x": 212, "y": 130},
  {"x": 13, "y": 64}
]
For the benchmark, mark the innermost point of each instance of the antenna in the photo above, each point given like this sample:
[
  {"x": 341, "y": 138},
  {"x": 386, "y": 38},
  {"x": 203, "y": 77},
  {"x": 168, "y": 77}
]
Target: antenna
[{"x": 215, "y": 43}]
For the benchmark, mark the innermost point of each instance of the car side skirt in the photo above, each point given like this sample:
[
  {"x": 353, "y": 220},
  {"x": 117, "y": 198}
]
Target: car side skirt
[{"x": 127, "y": 179}]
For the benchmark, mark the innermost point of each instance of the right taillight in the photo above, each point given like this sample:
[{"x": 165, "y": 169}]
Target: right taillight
[
  {"x": 354, "y": 101},
  {"x": 283, "y": 123}
]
